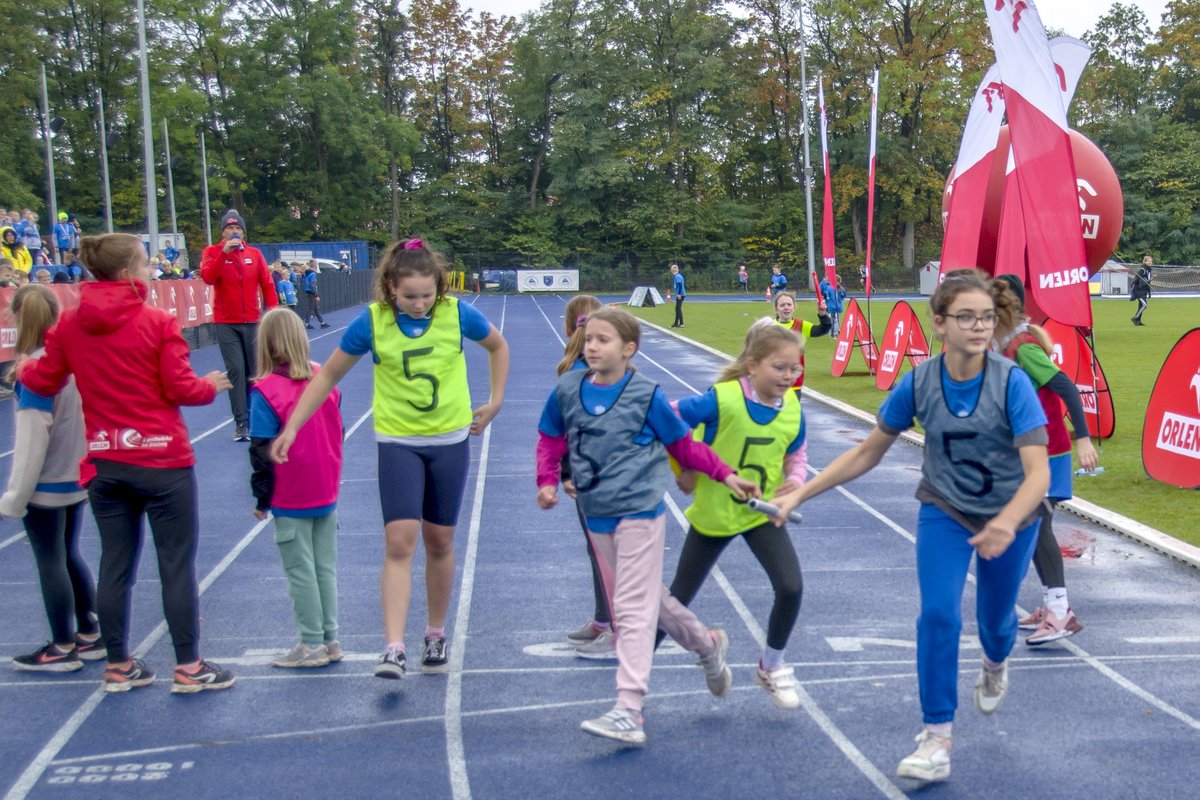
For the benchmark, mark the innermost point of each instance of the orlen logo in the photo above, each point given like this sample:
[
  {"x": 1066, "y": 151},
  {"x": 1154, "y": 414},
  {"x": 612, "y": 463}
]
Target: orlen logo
[
  {"x": 1019, "y": 7},
  {"x": 1090, "y": 223},
  {"x": 8, "y": 337},
  {"x": 1064, "y": 277},
  {"x": 889, "y": 360},
  {"x": 1087, "y": 397},
  {"x": 843, "y": 350},
  {"x": 1056, "y": 354},
  {"x": 993, "y": 89},
  {"x": 1180, "y": 435},
  {"x": 129, "y": 438}
]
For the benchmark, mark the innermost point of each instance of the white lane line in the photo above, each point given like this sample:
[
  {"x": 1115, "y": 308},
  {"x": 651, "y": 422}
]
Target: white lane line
[
  {"x": 1163, "y": 639},
  {"x": 33, "y": 772},
  {"x": 827, "y": 725},
  {"x": 553, "y": 327},
  {"x": 12, "y": 539},
  {"x": 456, "y": 757}
]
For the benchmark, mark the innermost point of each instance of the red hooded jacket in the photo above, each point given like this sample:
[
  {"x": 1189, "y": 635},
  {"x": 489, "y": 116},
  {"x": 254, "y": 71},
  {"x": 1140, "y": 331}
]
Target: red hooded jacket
[
  {"x": 131, "y": 367},
  {"x": 238, "y": 276}
]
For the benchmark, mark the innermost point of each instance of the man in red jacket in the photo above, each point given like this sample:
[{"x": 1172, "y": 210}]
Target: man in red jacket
[{"x": 240, "y": 276}]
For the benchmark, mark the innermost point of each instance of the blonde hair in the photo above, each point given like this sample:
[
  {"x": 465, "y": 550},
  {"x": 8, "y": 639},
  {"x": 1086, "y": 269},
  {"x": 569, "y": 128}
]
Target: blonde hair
[
  {"x": 405, "y": 259},
  {"x": 1010, "y": 313},
  {"x": 763, "y": 339},
  {"x": 577, "y": 312},
  {"x": 281, "y": 340},
  {"x": 36, "y": 310},
  {"x": 626, "y": 325},
  {"x": 108, "y": 254}
]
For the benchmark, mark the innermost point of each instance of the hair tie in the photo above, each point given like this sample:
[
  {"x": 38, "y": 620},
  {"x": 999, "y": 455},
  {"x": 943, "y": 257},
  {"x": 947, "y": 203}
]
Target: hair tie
[
  {"x": 414, "y": 244},
  {"x": 582, "y": 318}
]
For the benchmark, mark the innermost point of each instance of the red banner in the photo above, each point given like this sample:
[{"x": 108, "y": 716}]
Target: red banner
[
  {"x": 902, "y": 338},
  {"x": 1076, "y": 358},
  {"x": 966, "y": 191},
  {"x": 871, "y": 183},
  {"x": 854, "y": 332},
  {"x": 828, "y": 249},
  {"x": 188, "y": 301},
  {"x": 1171, "y": 432}
]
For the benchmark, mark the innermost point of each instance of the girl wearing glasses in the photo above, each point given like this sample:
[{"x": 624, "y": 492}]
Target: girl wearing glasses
[{"x": 982, "y": 483}]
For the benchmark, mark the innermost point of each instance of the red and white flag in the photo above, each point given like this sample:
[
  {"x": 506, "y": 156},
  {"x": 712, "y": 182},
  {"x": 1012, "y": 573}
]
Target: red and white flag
[
  {"x": 1045, "y": 170},
  {"x": 969, "y": 184},
  {"x": 871, "y": 181},
  {"x": 828, "y": 250}
]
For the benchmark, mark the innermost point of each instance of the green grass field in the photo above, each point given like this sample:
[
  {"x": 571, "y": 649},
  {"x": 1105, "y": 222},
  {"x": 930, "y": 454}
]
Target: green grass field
[{"x": 1131, "y": 358}]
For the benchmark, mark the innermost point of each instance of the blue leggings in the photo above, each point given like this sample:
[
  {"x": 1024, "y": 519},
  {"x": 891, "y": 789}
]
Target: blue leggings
[{"x": 943, "y": 557}]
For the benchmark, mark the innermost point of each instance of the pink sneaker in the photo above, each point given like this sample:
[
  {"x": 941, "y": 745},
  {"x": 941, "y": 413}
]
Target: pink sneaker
[
  {"x": 1033, "y": 621},
  {"x": 1054, "y": 628}
]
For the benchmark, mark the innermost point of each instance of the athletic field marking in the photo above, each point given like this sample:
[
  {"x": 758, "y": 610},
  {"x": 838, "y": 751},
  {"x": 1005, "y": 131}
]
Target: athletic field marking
[
  {"x": 1163, "y": 639},
  {"x": 827, "y": 725},
  {"x": 456, "y": 757},
  {"x": 33, "y": 772},
  {"x": 8, "y": 453},
  {"x": 12, "y": 539},
  {"x": 553, "y": 327}
]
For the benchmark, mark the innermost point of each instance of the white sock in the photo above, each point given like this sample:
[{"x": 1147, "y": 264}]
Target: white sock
[
  {"x": 772, "y": 658},
  {"x": 1055, "y": 599},
  {"x": 941, "y": 729}
]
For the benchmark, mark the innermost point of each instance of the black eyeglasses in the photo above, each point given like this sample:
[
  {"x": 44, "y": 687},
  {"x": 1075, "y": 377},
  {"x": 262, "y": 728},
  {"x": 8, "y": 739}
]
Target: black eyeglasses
[{"x": 966, "y": 320}]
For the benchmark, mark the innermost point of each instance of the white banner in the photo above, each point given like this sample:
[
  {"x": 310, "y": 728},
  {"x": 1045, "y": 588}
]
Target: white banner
[{"x": 547, "y": 280}]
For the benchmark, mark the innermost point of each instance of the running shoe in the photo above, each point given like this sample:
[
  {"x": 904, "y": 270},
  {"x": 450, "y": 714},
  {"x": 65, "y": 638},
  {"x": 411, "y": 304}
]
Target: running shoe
[
  {"x": 584, "y": 633},
  {"x": 930, "y": 761},
  {"x": 209, "y": 677},
  {"x": 602, "y": 648},
  {"x": 90, "y": 649},
  {"x": 48, "y": 658},
  {"x": 135, "y": 676},
  {"x": 242, "y": 433},
  {"x": 334, "y": 649},
  {"x": 716, "y": 671},
  {"x": 1054, "y": 628},
  {"x": 435, "y": 659},
  {"x": 780, "y": 683},
  {"x": 302, "y": 656},
  {"x": 1033, "y": 621},
  {"x": 392, "y": 665},
  {"x": 991, "y": 688},
  {"x": 620, "y": 724}
]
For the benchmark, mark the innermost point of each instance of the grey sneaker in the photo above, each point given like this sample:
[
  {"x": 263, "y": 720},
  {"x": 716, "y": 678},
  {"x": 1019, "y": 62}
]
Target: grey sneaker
[
  {"x": 334, "y": 650},
  {"x": 620, "y": 724},
  {"x": 584, "y": 633},
  {"x": 392, "y": 665},
  {"x": 930, "y": 761},
  {"x": 303, "y": 656},
  {"x": 716, "y": 672},
  {"x": 435, "y": 659},
  {"x": 991, "y": 688},
  {"x": 602, "y": 648}
]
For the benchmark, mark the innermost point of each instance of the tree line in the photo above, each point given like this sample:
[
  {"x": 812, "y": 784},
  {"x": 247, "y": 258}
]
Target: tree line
[{"x": 609, "y": 134}]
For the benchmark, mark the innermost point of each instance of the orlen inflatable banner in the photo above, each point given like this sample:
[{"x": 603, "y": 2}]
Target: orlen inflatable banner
[
  {"x": 1171, "y": 433},
  {"x": 902, "y": 338},
  {"x": 1075, "y": 357},
  {"x": 854, "y": 331},
  {"x": 188, "y": 301}
]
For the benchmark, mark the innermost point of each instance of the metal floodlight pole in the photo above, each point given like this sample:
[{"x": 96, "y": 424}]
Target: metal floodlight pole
[
  {"x": 51, "y": 196},
  {"x": 808, "y": 207},
  {"x": 108, "y": 215},
  {"x": 170, "y": 185},
  {"x": 204, "y": 182},
  {"x": 147, "y": 133}
]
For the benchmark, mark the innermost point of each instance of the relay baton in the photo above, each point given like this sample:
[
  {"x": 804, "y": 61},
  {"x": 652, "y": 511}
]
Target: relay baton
[{"x": 763, "y": 507}]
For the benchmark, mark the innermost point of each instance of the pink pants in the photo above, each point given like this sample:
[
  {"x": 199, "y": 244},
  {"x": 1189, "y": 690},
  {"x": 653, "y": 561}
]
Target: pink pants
[{"x": 631, "y": 565}]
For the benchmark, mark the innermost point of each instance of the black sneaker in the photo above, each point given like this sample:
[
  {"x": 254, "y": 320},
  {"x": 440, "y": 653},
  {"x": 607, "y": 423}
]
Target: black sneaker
[
  {"x": 242, "y": 434},
  {"x": 209, "y": 677},
  {"x": 122, "y": 680},
  {"x": 392, "y": 665},
  {"x": 90, "y": 649},
  {"x": 435, "y": 658},
  {"x": 324, "y": 324},
  {"x": 48, "y": 659}
]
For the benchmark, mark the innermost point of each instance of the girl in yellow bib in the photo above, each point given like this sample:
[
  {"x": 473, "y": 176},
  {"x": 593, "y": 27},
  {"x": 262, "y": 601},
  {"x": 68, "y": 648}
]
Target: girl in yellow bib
[
  {"x": 785, "y": 316},
  {"x": 422, "y": 405},
  {"x": 751, "y": 419}
]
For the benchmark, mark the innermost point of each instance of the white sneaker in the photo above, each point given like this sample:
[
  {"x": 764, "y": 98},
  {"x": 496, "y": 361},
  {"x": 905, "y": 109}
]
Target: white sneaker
[
  {"x": 602, "y": 648},
  {"x": 991, "y": 688},
  {"x": 780, "y": 683},
  {"x": 930, "y": 761},
  {"x": 716, "y": 671},
  {"x": 620, "y": 724}
]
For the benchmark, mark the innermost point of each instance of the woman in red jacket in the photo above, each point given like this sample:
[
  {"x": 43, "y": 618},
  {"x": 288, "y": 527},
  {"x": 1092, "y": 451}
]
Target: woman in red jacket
[{"x": 138, "y": 449}]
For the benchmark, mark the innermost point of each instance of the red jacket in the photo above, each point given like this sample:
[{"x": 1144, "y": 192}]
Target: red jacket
[
  {"x": 131, "y": 367},
  {"x": 239, "y": 276}
]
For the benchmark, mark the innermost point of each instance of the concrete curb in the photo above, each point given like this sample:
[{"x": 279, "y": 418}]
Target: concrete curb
[{"x": 1129, "y": 528}]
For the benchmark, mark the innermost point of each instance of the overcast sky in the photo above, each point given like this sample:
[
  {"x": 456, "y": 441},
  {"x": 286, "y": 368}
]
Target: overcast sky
[{"x": 1075, "y": 17}]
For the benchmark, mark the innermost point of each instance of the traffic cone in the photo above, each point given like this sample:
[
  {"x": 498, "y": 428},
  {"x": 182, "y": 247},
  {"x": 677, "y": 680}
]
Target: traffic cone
[
  {"x": 668, "y": 295},
  {"x": 768, "y": 294}
]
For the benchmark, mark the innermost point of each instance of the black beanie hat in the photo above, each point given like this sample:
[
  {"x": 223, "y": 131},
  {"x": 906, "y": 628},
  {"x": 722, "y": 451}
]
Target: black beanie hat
[
  {"x": 232, "y": 217},
  {"x": 1015, "y": 285}
]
